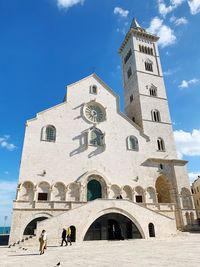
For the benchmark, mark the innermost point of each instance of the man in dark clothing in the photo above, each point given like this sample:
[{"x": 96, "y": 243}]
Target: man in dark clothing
[{"x": 64, "y": 234}]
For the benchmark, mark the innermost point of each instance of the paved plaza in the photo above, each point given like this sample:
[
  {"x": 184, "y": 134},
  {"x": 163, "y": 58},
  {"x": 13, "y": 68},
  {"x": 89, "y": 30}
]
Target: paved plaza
[{"x": 182, "y": 250}]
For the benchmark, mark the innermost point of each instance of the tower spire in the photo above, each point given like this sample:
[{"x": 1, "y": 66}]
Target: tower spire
[{"x": 136, "y": 26}]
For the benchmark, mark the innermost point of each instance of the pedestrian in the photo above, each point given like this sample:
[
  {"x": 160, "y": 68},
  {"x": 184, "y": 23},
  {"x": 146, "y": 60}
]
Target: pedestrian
[
  {"x": 64, "y": 234},
  {"x": 43, "y": 241},
  {"x": 69, "y": 235}
]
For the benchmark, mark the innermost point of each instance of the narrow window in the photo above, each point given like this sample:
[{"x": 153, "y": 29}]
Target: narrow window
[
  {"x": 155, "y": 115},
  {"x": 153, "y": 91},
  {"x": 133, "y": 143},
  {"x": 133, "y": 119},
  {"x": 197, "y": 202},
  {"x": 93, "y": 89},
  {"x": 160, "y": 143},
  {"x": 140, "y": 48},
  {"x": 151, "y": 230},
  {"x": 131, "y": 98},
  {"x": 129, "y": 72},
  {"x": 128, "y": 55}
]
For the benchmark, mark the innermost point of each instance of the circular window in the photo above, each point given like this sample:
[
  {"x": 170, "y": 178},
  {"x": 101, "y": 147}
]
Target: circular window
[{"x": 94, "y": 112}]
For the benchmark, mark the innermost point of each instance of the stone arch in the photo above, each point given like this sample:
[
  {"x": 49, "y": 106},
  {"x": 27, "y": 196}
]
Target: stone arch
[
  {"x": 30, "y": 226},
  {"x": 186, "y": 198},
  {"x": 151, "y": 195},
  {"x": 26, "y": 191},
  {"x": 43, "y": 191},
  {"x": 139, "y": 194},
  {"x": 113, "y": 210},
  {"x": 115, "y": 191},
  {"x": 58, "y": 191},
  {"x": 73, "y": 192},
  {"x": 127, "y": 192},
  {"x": 163, "y": 189},
  {"x": 102, "y": 182}
]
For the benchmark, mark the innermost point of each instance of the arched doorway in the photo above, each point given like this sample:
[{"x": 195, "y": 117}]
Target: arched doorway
[
  {"x": 30, "y": 228},
  {"x": 73, "y": 233},
  {"x": 112, "y": 226},
  {"x": 94, "y": 190},
  {"x": 151, "y": 230}
]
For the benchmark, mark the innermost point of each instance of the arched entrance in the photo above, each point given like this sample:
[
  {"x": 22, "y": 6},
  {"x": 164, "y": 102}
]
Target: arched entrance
[
  {"x": 94, "y": 190},
  {"x": 73, "y": 233},
  {"x": 112, "y": 226},
  {"x": 30, "y": 228}
]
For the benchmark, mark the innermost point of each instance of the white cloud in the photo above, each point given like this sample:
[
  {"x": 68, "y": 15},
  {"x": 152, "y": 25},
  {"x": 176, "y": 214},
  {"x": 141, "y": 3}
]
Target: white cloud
[
  {"x": 178, "y": 21},
  {"x": 194, "y": 6},
  {"x": 171, "y": 71},
  {"x": 7, "y": 195},
  {"x": 193, "y": 176},
  {"x": 68, "y": 3},
  {"x": 121, "y": 12},
  {"x": 164, "y": 9},
  {"x": 165, "y": 33},
  {"x": 186, "y": 84},
  {"x": 5, "y": 144},
  {"x": 188, "y": 144}
]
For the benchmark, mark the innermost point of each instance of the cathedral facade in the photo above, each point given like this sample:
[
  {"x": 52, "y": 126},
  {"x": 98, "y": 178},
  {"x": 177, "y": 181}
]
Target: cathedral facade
[{"x": 107, "y": 174}]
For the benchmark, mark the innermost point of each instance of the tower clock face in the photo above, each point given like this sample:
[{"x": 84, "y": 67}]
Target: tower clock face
[{"x": 94, "y": 112}]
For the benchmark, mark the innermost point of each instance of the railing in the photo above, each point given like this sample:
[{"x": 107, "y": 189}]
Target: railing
[{"x": 58, "y": 205}]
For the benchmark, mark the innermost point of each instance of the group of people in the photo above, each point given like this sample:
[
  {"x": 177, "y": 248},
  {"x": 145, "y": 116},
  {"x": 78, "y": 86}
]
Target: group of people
[{"x": 66, "y": 237}]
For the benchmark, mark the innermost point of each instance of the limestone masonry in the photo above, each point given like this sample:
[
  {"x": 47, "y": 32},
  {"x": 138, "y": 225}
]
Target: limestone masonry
[{"x": 107, "y": 174}]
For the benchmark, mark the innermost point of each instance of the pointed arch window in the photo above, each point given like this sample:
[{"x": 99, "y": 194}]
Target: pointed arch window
[
  {"x": 160, "y": 144},
  {"x": 155, "y": 114},
  {"x": 132, "y": 143},
  {"x": 48, "y": 133},
  {"x": 96, "y": 137}
]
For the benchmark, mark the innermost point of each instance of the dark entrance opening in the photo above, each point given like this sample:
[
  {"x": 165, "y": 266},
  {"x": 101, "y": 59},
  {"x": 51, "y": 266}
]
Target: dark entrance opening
[
  {"x": 112, "y": 226},
  {"x": 30, "y": 228},
  {"x": 93, "y": 190},
  {"x": 73, "y": 233},
  {"x": 151, "y": 230}
]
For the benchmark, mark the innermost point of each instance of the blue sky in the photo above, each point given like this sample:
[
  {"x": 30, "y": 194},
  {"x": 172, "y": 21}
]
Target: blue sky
[{"x": 47, "y": 44}]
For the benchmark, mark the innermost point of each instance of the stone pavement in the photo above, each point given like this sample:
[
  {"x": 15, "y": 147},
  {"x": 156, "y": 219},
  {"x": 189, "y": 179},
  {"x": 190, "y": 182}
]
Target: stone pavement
[{"x": 180, "y": 251}]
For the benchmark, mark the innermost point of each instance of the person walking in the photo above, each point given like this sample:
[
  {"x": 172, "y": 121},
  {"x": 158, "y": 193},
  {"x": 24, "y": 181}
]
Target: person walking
[
  {"x": 69, "y": 235},
  {"x": 64, "y": 234},
  {"x": 43, "y": 242}
]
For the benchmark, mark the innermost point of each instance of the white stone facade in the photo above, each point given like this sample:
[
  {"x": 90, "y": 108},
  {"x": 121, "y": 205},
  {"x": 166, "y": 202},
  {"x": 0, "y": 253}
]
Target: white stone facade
[{"x": 87, "y": 139}]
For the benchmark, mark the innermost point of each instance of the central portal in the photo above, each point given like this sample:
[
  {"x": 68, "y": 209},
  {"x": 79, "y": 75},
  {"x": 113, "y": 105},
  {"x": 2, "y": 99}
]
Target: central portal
[
  {"x": 93, "y": 190},
  {"x": 112, "y": 226}
]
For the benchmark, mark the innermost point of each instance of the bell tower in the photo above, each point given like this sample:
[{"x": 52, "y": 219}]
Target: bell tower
[{"x": 144, "y": 91}]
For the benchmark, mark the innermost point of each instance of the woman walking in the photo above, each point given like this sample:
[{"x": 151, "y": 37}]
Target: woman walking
[{"x": 43, "y": 241}]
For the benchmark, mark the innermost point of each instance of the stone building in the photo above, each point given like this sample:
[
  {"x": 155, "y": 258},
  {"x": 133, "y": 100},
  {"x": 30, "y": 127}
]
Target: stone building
[
  {"x": 107, "y": 174},
  {"x": 196, "y": 195}
]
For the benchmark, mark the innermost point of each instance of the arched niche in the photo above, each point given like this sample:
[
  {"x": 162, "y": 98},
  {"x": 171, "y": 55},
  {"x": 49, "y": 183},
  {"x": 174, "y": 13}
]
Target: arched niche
[
  {"x": 139, "y": 194},
  {"x": 58, "y": 192},
  {"x": 43, "y": 191},
  {"x": 73, "y": 192},
  {"x": 26, "y": 192},
  {"x": 186, "y": 198},
  {"x": 127, "y": 192},
  {"x": 151, "y": 195},
  {"x": 98, "y": 184},
  {"x": 115, "y": 191},
  {"x": 163, "y": 189}
]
